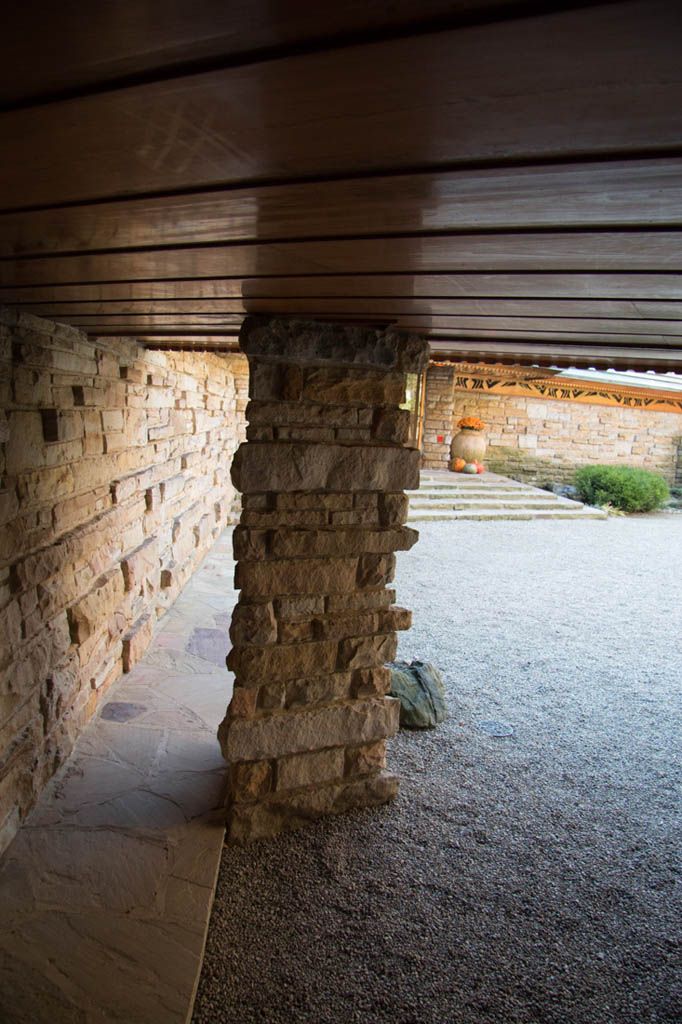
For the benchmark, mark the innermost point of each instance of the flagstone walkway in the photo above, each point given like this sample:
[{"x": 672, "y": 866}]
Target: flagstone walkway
[{"x": 106, "y": 891}]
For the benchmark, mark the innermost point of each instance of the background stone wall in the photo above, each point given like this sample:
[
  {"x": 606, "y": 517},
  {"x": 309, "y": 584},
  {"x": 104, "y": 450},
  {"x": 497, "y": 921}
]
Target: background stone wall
[
  {"x": 541, "y": 440},
  {"x": 114, "y": 483}
]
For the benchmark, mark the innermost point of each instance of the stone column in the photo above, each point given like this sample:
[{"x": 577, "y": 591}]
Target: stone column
[{"x": 321, "y": 474}]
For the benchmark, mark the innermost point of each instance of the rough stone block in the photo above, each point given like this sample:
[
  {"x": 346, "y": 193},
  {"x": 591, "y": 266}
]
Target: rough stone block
[
  {"x": 366, "y": 760},
  {"x": 173, "y": 486},
  {"x": 394, "y": 508},
  {"x": 339, "y": 627},
  {"x": 299, "y": 543},
  {"x": 371, "y": 682},
  {"x": 375, "y": 570},
  {"x": 96, "y": 607},
  {"x": 253, "y": 624},
  {"x": 243, "y": 702},
  {"x": 395, "y": 618},
  {"x": 262, "y": 520},
  {"x": 250, "y": 781},
  {"x": 25, "y": 444},
  {"x": 202, "y": 531},
  {"x": 319, "y": 690},
  {"x": 299, "y": 607},
  {"x": 304, "y": 413},
  {"x": 391, "y": 424},
  {"x": 285, "y": 811},
  {"x": 367, "y": 651},
  {"x": 365, "y": 499},
  {"x": 254, "y": 666},
  {"x": 136, "y": 641},
  {"x": 249, "y": 543},
  {"x": 299, "y": 632},
  {"x": 353, "y": 387},
  {"x": 9, "y": 505},
  {"x": 300, "y": 500},
  {"x": 360, "y": 600},
  {"x": 355, "y": 517},
  {"x": 274, "y": 381},
  {"x": 123, "y": 489},
  {"x": 296, "y": 433},
  {"x": 296, "y": 466},
  {"x": 10, "y": 623},
  {"x": 301, "y": 731},
  {"x": 141, "y": 567},
  {"x": 314, "y": 768},
  {"x": 279, "y": 577},
  {"x": 271, "y": 697}
]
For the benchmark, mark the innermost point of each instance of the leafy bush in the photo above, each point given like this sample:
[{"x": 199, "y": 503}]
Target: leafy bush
[{"x": 632, "y": 490}]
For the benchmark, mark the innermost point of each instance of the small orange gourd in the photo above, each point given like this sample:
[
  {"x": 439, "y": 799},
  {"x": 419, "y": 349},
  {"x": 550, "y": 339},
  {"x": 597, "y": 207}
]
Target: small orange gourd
[{"x": 458, "y": 465}]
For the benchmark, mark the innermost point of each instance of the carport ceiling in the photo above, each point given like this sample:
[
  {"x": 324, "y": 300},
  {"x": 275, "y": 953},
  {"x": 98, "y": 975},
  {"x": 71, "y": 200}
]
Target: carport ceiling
[{"x": 503, "y": 180}]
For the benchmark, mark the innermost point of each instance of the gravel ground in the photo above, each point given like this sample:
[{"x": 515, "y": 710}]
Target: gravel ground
[{"x": 532, "y": 879}]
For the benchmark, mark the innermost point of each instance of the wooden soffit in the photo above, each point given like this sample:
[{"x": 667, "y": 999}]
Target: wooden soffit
[{"x": 503, "y": 179}]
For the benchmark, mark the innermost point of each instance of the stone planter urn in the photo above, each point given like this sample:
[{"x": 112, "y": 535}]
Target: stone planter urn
[{"x": 469, "y": 445}]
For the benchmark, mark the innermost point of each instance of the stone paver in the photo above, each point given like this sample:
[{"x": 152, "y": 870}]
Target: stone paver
[{"x": 106, "y": 891}]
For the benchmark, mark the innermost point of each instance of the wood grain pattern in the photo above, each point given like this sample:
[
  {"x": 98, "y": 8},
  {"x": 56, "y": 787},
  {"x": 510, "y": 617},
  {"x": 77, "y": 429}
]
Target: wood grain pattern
[
  {"x": 649, "y": 331},
  {"x": 620, "y": 193},
  {"x": 597, "y": 80},
  {"x": 266, "y": 293},
  {"x": 511, "y": 183},
  {"x": 631, "y": 312},
  {"x": 626, "y": 251},
  {"x": 80, "y": 47}
]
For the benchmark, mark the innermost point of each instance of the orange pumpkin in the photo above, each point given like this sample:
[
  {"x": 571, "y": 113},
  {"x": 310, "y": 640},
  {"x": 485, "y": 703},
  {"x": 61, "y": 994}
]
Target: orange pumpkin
[
  {"x": 479, "y": 467},
  {"x": 458, "y": 465}
]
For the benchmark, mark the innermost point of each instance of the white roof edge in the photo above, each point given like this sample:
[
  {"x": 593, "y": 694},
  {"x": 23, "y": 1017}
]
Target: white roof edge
[{"x": 655, "y": 381}]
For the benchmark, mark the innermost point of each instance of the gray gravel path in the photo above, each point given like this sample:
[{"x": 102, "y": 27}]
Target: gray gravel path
[{"x": 534, "y": 879}]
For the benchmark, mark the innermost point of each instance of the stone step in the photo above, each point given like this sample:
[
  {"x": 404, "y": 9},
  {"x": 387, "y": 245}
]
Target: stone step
[
  {"x": 473, "y": 481},
  {"x": 490, "y": 497},
  {"x": 423, "y": 516},
  {"x": 484, "y": 492},
  {"x": 493, "y": 496},
  {"x": 475, "y": 504}
]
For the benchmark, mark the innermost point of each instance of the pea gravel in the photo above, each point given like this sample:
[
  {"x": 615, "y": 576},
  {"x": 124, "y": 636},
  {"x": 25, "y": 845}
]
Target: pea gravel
[{"x": 533, "y": 878}]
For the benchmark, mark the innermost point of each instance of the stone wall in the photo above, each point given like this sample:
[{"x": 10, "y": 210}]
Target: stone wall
[
  {"x": 114, "y": 483},
  {"x": 322, "y": 475},
  {"x": 543, "y": 440}
]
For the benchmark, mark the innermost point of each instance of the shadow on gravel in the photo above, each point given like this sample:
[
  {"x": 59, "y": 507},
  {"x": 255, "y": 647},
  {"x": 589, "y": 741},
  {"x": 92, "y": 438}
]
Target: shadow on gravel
[{"x": 533, "y": 878}]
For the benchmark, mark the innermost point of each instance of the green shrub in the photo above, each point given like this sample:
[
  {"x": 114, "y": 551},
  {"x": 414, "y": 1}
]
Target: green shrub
[{"x": 632, "y": 490}]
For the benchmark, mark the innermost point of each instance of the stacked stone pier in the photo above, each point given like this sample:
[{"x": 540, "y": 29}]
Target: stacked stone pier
[{"x": 322, "y": 475}]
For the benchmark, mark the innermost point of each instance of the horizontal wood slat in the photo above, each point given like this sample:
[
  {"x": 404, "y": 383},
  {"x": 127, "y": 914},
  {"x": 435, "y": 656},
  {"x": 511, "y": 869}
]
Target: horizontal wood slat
[
  {"x": 621, "y": 193},
  {"x": 79, "y": 47},
  {"x": 626, "y": 251},
  {"x": 654, "y": 329},
  {"x": 261, "y": 292},
  {"x": 605, "y": 309},
  {"x": 597, "y": 80}
]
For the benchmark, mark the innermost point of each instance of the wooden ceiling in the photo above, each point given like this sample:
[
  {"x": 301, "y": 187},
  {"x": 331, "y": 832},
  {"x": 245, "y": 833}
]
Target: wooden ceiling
[{"x": 503, "y": 180}]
